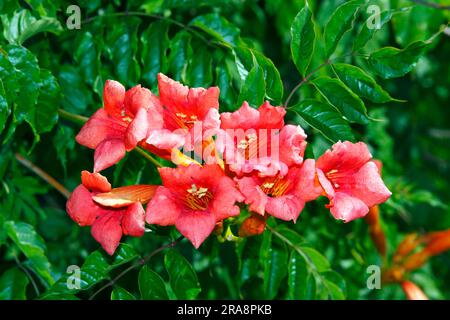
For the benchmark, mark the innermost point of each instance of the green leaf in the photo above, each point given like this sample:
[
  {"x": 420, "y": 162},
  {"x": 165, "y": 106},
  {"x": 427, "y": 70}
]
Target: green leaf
[
  {"x": 245, "y": 61},
  {"x": 154, "y": 42},
  {"x": 13, "y": 285},
  {"x": 297, "y": 276},
  {"x": 218, "y": 27},
  {"x": 361, "y": 83},
  {"x": 64, "y": 142},
  {"x": 340, "y": 22},
  {"x": 20, "y": 73},
  {"x": 87, "y": 57},
  {"x": 248, "y": 255},
  {"x": 199, "y": 71},
  {"x": 324, "y": 118},
  {"x": 151, "y": 285},
  {"x": 95, "y": 269},
  {"x": 76, "y": 95},
  {"x": 32, "y": 246},
  {"x": 366, "y": 33},
  {"x": 120, "y": 293},
  {"x": 253, "y": 88},
  {"x": 302, "y": 39},
  {"x": 46, "y": 112},
  {"x": 180, "y": 51},
  {"x": 343, "y": 99},
  {"x": 22, "y": 26},
  {"x": 5, "y": 111},
  {"x": 122, "y": 42},
  {"x": 320, "y": 262},
  {"x": 183, "y": 279},
  {"x": 392, "y": 62},
  {"x": 276, "y": 259}
]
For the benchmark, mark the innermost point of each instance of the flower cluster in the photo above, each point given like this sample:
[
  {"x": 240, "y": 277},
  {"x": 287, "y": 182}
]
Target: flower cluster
[{"x": 249, "y": 156}]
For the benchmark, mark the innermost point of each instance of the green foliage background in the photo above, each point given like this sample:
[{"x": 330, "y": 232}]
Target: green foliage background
[{"x": 245, "y": 48}]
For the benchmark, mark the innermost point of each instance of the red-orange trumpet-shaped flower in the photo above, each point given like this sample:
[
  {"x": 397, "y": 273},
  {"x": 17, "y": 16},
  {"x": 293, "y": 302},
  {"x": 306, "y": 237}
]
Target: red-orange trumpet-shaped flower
[
  {"x": 110, "y": 212},
  {"x": 126, "y": 119},
  {"x": 412, "y": 291},
  {"x": 281, "y": 196},
  {"x": 350, "y": 180},
  {"x": 194, "y": 199}
]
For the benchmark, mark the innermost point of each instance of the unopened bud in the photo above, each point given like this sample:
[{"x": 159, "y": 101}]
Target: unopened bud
[{"x": 412, "y": 291}]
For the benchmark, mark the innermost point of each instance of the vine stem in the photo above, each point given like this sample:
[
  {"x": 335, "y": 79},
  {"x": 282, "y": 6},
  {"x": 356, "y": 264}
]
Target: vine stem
[
  {"x": 24, "y": 269},
  {"x": 431, "y": 5},
  {"x": 136, "y": 264},
  {"x": 44, "y": 175},
  {"x": 148, "y": 15},
  {"x": 81, "y": 120},
  {"x": 305, "y": 79}
]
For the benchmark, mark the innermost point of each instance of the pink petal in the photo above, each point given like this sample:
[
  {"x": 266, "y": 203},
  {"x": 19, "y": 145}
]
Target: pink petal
[
  {"x": 166, "y": 139},
  {"x": 137, "y": 130},
  {"x": 368, "y": 186},
  {"x": 344, "y": 157},
  {"x": 254, "y": 196},
  {"x": 224, "y": 199},
  {"x": 325, "y": 183},
  {"x": 163, "y": 208},
  {"x": 113, "y": 97},
  {"x": 98, "y": 128},
  {"x": 177, "y": 97},
  {"x": 244, "y": 118},
  {"x": 347, "y": 208},
  {"x": 196, "y": 225},
  {"x": 211, "y": 123},
  {"x": 292, "y": 144},
  {"x": 107, "y": 231},
  {"x": 81, "y": 208},
  {"x": 95, "y": 181},
  {"x": 133, "y": 221},
  {"x": 125, "y": 196},
  {"x": 307, "y": 188},
  {"x": 137, "y": 98},
  {"x": 108, "y": 153},
  {"x": 287, "y": 207},
  {"x": 270, "y": 116}
]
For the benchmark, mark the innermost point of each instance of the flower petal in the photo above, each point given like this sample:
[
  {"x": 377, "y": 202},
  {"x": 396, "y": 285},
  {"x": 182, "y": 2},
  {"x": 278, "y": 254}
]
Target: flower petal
[
  {"x": 81, "y": 208},
  {"x": 113, "y": 97},
  {"x": 107, "y": 231},
  {"x": 306, "y": 186},
  {"x": 137, "y": 130},
  {"x": 292, "y": 144},
  {"x": 124, "y": 196},
  {"x": 177, "y": 97},
  {"x": 286, "y": 207},
  {"x": 98, "y": 128},
  {"x": 271, "y": 117},
  {"x": 133, "y": 221},
  {"x": 244, "y": 118},
  {"x": 196, "y": 225},
  {"x": 95, "y": 181},
  {"x": 137, "y": 98},
  {"x": 163, "y": 208},
  {"x": 344, "y": 157},
  {"x": 368, "y": 186},
  {"x": 108, "y": 153},
  {"x": 165, "y": 139},
  {"x": 254, "y": 196},
  {"x": 224, "y": 199},
  {"x": 347, "y": 208}
]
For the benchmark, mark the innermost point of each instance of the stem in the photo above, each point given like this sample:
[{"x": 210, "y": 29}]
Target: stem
[
  {"x": 45, "y": 176},
  {"x": 72, "y": 117},
  {"x": 135, "y": 265},
  {"x": 21, "y": 267},
  {"x": 291, "y": 94},
  {"x": 148, "y": 157},
  {"x": 148, "y": 15}
]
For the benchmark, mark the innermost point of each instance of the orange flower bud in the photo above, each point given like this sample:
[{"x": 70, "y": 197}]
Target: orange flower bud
[
  {"x": 218, "y": 229},
  {"x": 437, "y": 242},
  {"x": 416, "y": 260},
  {"x": 253, "y": 225},
  {"x": 412, "y": 291},
  {"x": 408, "y": 244},
  {"x": 124, "y": 196}
]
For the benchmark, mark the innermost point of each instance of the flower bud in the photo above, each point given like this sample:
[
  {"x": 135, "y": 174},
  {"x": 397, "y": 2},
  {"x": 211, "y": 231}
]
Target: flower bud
[
  {"x": 412, "y": 291},
  {"x": 252, "y": 226}
]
